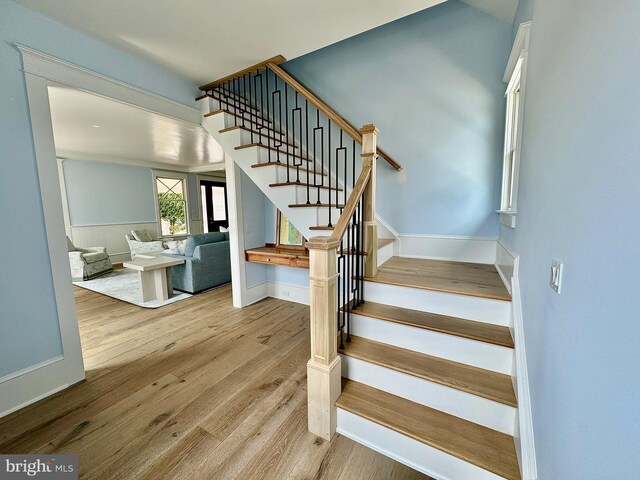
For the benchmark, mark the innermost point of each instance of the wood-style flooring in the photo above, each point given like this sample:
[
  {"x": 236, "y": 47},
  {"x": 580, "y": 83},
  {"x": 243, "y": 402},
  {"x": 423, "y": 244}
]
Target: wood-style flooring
[{"x": 194, "y": 390}]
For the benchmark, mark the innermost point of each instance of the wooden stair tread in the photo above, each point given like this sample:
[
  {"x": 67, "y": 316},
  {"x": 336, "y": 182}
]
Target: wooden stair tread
[
  {"x": 477, "y": 381},
  {"x": 321, "y": 227},
  {"x": 301, "y": 184},
  {"x": 311, "y": 205},
  {"x": 464, "y": 278},
  {"x": 280, "y": 164},
  {"x": 481, "y": 446},
  {"x": 483, "y": 332},
  {"x": 258, "y": 132},
  {"x": 383, "y": 242}
]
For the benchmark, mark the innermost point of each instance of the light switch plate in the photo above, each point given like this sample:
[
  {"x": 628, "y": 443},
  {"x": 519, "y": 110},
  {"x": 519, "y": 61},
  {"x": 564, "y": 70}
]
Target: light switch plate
[{"x": 555, "y": 278}]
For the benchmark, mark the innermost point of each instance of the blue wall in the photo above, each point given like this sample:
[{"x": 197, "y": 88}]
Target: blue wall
[
  {"x": 29, "y": 329},
  {"x": 432, "y": 83},
  {"x": 524, "y": 13},
  {"x": 579, "y": 187},
  {"x": 253, "y": 213},
  {"x": 106, "y": 193}
]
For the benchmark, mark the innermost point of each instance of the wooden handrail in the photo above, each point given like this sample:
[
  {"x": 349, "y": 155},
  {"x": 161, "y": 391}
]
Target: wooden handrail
[
  {"x": 327, "y": 110},
  {"x": 333, "y": 240},
  {"x": 278, "y": 59}
]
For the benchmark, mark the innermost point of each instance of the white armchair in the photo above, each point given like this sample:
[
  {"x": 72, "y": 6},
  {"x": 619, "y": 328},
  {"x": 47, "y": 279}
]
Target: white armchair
[{"x": 88, "y": 263}]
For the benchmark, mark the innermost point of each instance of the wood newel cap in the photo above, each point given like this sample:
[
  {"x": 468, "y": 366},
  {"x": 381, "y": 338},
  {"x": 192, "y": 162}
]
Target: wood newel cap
[
  {"x": 369, "y": 128},
  {"x": 322, "y": 243}
]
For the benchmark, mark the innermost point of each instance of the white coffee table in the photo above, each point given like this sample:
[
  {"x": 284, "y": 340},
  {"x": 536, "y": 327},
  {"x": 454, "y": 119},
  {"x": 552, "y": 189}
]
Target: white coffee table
[{"x": 154, "y": 274}]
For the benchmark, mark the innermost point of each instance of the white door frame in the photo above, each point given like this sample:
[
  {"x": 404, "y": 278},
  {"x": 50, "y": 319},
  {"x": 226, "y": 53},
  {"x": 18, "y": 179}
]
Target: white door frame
[{"x": 40, "y": 70}]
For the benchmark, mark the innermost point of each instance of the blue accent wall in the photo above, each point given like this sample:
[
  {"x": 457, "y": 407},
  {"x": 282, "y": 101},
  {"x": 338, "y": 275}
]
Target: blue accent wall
[
  {"x": 578, "y": 193},
  {"x": 105, "y": 193},
  {"x": 29, "y": 331},
  {"x": 432, "y": 83}
]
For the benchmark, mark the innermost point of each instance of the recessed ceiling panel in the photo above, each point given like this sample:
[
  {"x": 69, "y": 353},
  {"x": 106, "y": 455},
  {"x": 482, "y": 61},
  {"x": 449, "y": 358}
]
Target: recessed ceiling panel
[{"x": 92, "y": 127}]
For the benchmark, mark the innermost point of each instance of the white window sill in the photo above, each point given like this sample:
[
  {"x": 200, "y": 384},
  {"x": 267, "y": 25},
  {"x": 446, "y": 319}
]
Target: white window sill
[{"x": 507, "y": 217}]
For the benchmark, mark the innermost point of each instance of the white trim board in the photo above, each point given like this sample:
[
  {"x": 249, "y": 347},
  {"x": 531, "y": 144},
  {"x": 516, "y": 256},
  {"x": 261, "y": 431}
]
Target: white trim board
[
  {"x": 40, "y": 71},
  {"x": 289, "y": 292},
  {"x": 27, "y": 386},
  {"x": 448, "y": 247},
  {"x": 525, "y": 444},
  {"x": 505, "y": 260}
]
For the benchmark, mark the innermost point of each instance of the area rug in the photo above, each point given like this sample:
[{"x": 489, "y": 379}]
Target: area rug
[{"x": 124, "y": 285}]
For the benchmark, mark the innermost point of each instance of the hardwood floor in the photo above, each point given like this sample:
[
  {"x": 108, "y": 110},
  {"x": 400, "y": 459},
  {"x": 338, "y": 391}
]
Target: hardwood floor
[{"x": 194, "y": 390}]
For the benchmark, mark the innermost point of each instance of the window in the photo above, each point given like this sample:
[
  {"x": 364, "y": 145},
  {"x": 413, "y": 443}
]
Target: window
[
  {"x": 511, "y": 142},
  {"x": 515, "y": 76},
  {"x": 172, "y": 205}
]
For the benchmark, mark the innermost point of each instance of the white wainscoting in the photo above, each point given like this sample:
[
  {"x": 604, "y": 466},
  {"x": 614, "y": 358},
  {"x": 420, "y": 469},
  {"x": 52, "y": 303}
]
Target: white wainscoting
[
  {"x": 505, "y": 260},
  {"x": 448, "y": 247},
  {"x": 111, "y": 237}
]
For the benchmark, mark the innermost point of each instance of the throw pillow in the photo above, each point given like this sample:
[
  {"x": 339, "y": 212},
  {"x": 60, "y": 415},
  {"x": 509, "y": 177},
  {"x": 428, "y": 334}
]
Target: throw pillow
[
  {"x": 176, "y": 247},
  {"x": 224, "y": 229},
  {"x": 141, "y": 235}
]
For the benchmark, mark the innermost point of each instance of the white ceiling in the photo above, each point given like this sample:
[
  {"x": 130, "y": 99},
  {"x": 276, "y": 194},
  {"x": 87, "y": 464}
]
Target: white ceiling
[
  {"x": 91, "y": 127},
  {"x": 205, "y": 40}
]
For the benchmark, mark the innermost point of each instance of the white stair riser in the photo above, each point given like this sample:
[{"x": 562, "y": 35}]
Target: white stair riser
[
  {"x": 262, "y": 176},
  {"x": 473, "y": 408},
  {"x": 385, "y": 253},
  {"x": 301, "y": 194},
  {"x": 453, "y": 305},
  {"x": 267, "y": 138},
  {"x": 458, "y": 349},
  {"x": 296, "y": 175},
  {"x": 428, "y": 460}
]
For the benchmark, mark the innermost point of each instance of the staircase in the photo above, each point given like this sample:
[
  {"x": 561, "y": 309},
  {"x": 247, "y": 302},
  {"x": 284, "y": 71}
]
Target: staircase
[{"x": 412, "y": 358}]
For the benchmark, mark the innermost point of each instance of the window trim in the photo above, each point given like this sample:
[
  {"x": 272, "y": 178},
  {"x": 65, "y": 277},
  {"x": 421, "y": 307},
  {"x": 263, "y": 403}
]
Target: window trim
[
  {"x": 176, "y": 176},
  {"x": 515, "y": 77}
]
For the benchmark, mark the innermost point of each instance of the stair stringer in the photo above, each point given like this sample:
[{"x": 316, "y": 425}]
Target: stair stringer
[{"x": 302, "y": 218}]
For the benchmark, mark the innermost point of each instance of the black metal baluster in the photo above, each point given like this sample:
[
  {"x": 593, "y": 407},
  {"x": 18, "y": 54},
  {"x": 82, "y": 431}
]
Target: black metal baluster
[
  {"x": 297, "y": 110},
  {"x": 341, "y": 311},
  {"x": 306, "y": 116},
  {"x": 329, "y": 170},
  {"x": 286, "y": 119}
]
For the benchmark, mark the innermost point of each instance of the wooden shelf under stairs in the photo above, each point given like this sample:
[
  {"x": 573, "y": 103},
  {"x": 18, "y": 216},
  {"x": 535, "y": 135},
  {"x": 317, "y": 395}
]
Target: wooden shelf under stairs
[{"x": 481, "y": 446}]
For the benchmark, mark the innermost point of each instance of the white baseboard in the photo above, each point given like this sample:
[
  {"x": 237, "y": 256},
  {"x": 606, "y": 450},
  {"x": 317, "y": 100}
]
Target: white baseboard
[
  {"x": 505, "y": 260},
  {"x": 254, "y": 294},
  {"x": 524, "y": 437},
  {"x": 448, "y": 247},
  {"x": 419, "y": 456},
  {"x": 289, "y": 292},
  {"x": 27, "y": 386}
]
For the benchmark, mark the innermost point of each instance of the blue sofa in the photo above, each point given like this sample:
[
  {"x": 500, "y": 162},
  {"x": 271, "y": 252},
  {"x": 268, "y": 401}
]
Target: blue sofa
[{"x": 207, "y": 263}]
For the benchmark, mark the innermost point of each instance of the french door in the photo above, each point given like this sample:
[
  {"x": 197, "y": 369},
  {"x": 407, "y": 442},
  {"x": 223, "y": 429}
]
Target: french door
[{"x": 214, "y": 206}]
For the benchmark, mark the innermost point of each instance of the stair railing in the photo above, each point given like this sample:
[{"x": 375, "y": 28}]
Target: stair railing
[
  {"x": 319, "y": 149},
  {"x": 337, "y": 266}
]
